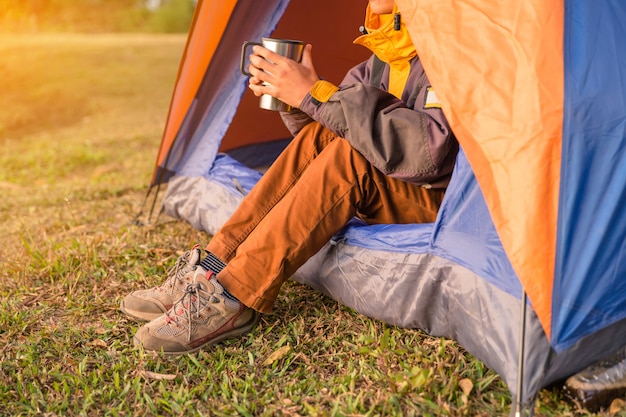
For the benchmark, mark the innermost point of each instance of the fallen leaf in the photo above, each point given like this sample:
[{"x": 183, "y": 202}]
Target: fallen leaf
[
  {"x": 157, "y": 376},
  {"x": 466, "y": 385},
  {"x": 278, "y": 354},
  {"x": 616, "y": 406},
  {"x": 98, "y": 343}
]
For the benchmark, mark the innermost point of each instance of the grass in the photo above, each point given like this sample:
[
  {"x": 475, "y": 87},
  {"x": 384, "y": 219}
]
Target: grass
[{"x": 80, "y": 122}]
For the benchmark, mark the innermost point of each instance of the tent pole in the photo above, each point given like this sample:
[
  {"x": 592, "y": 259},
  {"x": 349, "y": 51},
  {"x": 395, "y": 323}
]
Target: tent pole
[
  {"x": 519, "y": 404},
  {"x": 136, "y": 221}
]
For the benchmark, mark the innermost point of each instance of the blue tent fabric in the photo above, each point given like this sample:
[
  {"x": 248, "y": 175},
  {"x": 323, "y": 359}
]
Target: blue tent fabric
[{"x": 592, "y": 228}]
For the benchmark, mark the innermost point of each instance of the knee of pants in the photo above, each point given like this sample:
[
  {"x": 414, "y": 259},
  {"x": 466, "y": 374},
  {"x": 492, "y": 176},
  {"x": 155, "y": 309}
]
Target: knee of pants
[{"x": 316, "y": 134}]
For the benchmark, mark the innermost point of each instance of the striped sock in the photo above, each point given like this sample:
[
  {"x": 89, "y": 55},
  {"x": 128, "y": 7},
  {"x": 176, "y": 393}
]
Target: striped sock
[{"x": 214, "y": 264}]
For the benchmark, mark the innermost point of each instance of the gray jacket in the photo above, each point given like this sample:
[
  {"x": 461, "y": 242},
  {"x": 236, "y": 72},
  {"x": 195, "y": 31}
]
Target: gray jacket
[{"x": 409, "y": 139}]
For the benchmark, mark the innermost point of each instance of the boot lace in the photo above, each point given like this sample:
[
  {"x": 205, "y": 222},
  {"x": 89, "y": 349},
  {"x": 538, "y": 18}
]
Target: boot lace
[
  {"x": 176, "y": 273},
  {"x": 189, "y": 307}
]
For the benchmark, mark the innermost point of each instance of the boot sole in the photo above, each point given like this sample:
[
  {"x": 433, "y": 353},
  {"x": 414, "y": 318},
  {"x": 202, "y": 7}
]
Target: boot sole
[{"x": 240, "y": 331}]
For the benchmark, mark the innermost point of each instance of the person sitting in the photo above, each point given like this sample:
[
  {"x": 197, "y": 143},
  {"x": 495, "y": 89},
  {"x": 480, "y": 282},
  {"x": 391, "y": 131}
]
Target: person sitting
[{"x": 377, "y": 146}]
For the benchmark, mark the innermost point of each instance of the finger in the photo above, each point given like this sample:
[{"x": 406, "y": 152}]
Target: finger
[
  {"x": 259, "y": 76},
  {"x": 260, "y": 63},
  {"x": 254, "y": 80},
  {"x": 307, "y": 56},
  {"x": 258, "y": 89},
  {"x": 255, "y": 60},
  {"x": 267, "y": 54},
  {"x": 259, "y": 69}
]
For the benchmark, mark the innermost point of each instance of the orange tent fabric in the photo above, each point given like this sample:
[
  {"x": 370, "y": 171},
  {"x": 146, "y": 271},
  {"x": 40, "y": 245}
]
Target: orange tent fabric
[{"x": 489, "y": 65}]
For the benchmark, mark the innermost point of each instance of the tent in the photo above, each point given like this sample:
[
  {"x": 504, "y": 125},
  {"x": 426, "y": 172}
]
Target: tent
[{"x": 524, "y": 265}]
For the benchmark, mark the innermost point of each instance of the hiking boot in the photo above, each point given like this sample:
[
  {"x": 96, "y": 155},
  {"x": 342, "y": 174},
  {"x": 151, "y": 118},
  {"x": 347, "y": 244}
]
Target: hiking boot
[
  {"x": 204, "y": 316},
  {"x": 154, "y": 302}
]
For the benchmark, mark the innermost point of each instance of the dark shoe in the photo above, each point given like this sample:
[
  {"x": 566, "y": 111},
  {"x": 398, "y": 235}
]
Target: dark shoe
[{"x": 598, "y": 385}]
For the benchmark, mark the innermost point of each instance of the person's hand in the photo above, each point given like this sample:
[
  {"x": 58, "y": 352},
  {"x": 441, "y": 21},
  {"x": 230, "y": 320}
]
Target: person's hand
[{"x": 281, "y": 77}]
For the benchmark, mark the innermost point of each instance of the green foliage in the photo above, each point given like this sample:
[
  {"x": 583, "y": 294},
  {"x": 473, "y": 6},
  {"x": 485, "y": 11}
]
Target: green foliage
[
  {"x": 94, "y": 16},
  {"x": 173, "y": 17}
]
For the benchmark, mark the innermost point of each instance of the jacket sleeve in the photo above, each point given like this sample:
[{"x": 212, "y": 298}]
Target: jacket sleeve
[
  {"x": 413, "y": 144},
  {"x": 297, "y": 119}
]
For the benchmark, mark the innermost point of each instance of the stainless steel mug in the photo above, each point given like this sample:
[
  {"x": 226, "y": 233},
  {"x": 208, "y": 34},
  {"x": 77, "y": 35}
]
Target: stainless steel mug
[{"x": 286, "y": 47}]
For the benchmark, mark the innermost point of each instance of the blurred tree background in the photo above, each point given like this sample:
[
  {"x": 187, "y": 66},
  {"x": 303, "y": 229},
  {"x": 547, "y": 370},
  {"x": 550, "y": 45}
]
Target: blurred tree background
[{"x": 96, "y": 16}]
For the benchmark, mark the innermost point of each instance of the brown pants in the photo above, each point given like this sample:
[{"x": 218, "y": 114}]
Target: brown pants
[{"x": 317, "y": 184}]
